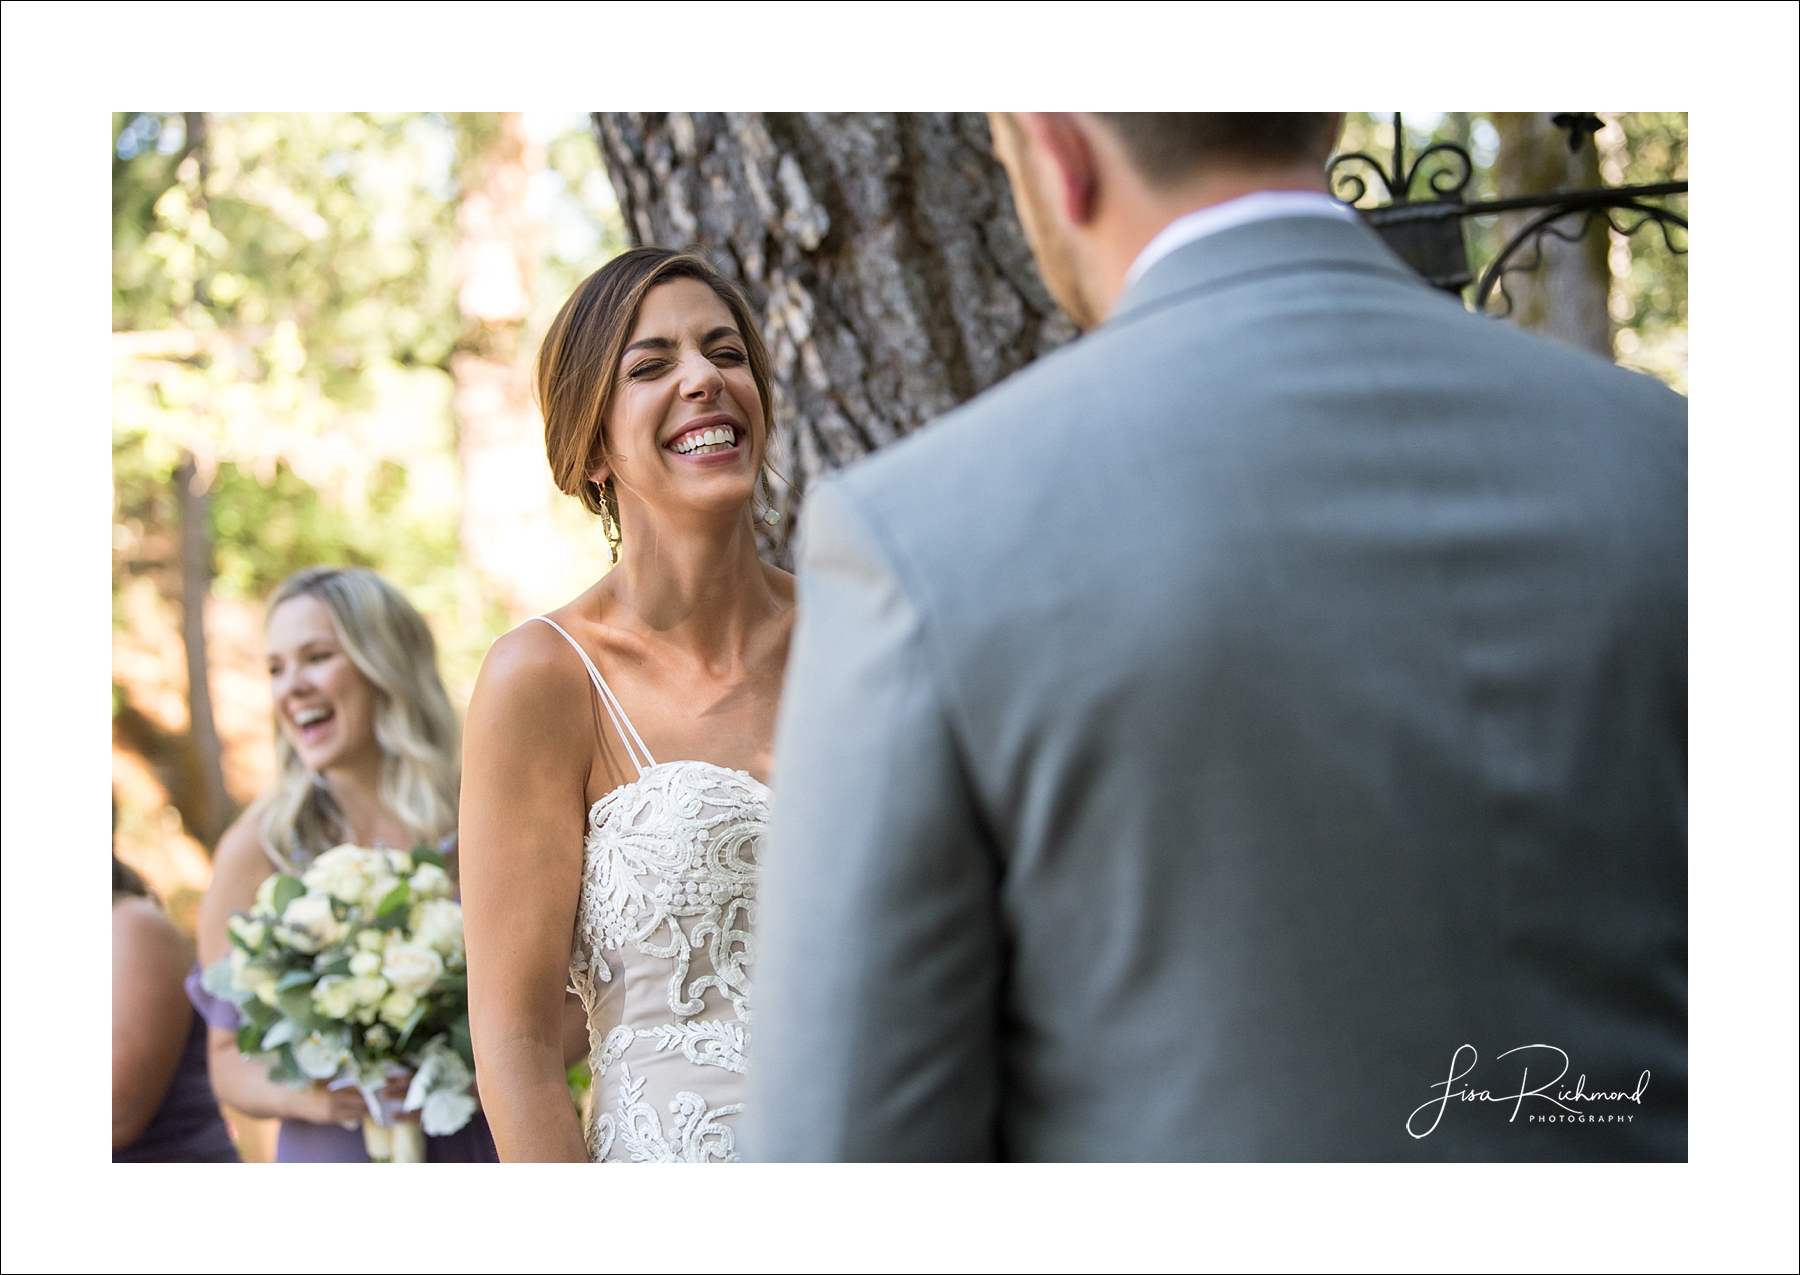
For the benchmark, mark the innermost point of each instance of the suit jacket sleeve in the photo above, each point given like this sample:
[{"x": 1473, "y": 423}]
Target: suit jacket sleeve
[{"x": 878, "y": 964}]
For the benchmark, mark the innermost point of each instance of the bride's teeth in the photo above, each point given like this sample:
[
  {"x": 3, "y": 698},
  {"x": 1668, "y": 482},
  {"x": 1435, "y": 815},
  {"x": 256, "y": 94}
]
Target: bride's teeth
[{"x": 713, "y": 437}]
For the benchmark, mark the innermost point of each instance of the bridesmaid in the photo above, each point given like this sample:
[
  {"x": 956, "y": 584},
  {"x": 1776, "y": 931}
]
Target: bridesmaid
[
  {"x": 366, "y": 747},
  {"x": 163, "y": 1109}
]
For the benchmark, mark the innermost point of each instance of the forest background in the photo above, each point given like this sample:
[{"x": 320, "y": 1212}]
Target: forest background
[{"x": 323, "y": 326}]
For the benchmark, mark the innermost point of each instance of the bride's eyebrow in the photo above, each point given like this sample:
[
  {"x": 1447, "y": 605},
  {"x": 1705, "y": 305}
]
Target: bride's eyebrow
[{"x": 651, "y": 343}]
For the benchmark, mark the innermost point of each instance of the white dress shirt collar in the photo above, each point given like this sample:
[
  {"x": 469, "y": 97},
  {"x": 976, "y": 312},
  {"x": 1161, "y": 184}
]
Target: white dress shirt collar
[{"x": 1259, "y": 205}]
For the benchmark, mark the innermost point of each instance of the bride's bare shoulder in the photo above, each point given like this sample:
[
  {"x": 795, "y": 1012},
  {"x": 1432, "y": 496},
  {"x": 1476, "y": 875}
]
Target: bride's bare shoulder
[{"x": 531, "y": 669}]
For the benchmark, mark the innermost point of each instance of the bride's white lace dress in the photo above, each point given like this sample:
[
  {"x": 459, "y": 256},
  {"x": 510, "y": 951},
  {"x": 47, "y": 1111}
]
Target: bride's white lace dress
[{"x": 662, "y": 951}]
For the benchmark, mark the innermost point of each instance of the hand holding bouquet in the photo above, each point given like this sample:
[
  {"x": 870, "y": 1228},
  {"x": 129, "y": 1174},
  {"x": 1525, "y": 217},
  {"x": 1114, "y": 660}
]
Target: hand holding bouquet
[{"x": 353, "y": 973}]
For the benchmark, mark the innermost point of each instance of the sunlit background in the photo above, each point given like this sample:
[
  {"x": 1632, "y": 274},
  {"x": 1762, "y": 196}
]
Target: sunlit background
[{"x": 323, "y": 330}]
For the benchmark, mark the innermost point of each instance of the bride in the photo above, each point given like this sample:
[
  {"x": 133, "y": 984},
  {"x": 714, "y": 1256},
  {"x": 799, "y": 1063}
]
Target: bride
[{"x": 616, "y": 750}]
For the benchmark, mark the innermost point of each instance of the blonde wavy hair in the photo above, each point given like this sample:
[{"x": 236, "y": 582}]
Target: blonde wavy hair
[{"x": 415, "y": 727}]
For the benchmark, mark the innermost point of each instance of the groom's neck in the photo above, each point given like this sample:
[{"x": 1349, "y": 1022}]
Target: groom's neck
[{"x": 1129, "y": 212}]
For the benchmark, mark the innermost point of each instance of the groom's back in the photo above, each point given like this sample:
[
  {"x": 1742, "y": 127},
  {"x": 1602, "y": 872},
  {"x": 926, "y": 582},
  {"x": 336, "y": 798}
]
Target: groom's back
[{"x": 1315, "y": 653}]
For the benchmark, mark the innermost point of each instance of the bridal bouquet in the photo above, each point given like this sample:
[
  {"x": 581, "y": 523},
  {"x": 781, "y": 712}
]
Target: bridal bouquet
[{"x": 353, "y": 973}]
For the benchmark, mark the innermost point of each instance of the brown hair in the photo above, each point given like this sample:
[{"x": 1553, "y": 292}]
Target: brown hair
[
  {"x": 578, "y": 364},
  {"x": 1168, "y": 146}
]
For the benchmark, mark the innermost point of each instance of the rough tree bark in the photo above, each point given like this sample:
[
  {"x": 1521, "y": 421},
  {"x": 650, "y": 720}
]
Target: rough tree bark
[
  {"x": 1566, "y": 296},
  {"x": 881, "y": 250},
  {"x": 507, "y": 495}
]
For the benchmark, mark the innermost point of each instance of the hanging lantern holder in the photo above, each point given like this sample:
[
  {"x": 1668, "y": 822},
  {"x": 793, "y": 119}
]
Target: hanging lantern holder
[{"x": 1428, "y": 231}]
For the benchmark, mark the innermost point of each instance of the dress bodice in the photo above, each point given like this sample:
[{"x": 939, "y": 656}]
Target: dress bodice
[{"x": 662, "y": 952}]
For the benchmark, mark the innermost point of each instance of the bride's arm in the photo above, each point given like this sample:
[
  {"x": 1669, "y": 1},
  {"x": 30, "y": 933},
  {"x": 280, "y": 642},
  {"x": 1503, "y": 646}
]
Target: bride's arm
[{"x": 527, "y": 749}]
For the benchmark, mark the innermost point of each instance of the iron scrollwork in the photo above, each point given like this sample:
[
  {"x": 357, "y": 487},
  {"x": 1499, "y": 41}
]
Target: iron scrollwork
[{"x": 1428, "y": 232}]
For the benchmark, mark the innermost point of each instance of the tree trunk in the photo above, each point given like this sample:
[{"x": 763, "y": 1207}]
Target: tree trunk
[
  {"x": 1565, "y": 297},
  {"x": 507, "y": 493},
  {"x": 881, "y": 250},
  {"x": 209, "y": 806}
]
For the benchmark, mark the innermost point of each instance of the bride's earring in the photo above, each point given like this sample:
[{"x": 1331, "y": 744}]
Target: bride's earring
[
  {"x": 609, "y": 519},
  {"x": 768, "y": 515}
]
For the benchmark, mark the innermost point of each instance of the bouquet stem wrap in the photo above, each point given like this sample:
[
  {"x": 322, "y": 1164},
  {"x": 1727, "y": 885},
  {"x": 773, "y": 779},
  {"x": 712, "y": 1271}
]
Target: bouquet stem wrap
[{"x": 400, "y": 1143}]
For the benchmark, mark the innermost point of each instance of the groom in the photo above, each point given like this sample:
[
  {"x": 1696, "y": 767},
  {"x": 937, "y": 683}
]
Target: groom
[{"x": 1254, "y": 732}]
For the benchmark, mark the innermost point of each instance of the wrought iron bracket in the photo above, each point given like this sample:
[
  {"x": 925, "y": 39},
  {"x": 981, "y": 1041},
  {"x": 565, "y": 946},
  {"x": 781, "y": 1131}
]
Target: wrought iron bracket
[{"x": 1428, "y": 233}]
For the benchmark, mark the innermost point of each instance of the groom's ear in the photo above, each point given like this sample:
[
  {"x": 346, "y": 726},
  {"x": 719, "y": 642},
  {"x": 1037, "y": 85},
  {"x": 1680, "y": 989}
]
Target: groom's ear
[{"x": 1057, "y": 141}]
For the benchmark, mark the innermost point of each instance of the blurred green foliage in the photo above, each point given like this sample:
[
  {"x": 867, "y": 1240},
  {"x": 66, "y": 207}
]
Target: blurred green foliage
[
  {"x": 340, "y": 223},
  {"x": 287, "y": 284}
]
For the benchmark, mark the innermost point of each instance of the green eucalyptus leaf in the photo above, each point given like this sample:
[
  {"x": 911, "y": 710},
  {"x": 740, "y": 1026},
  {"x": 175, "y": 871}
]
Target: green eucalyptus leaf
[
  {"x": 287, "y": 889},
  {"x": 285, "y": 1032},
  {"x": 248, "y": 1038},
  {"x": 286, "y": 1070},
  {"x": 296, "y": 1003},
  {"x": 395, "y": 899},
  {"x": 219, "y": 981},
  {"x": 331, "y": 963},
  {"x": 421, "y": 854},
  {"x": 295, "y": 978},
  {"x": 412, "y": 1022}
]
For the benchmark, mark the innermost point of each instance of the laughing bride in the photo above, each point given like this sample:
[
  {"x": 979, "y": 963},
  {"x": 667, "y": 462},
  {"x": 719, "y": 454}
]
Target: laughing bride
[{"x": 655, "y": 389}]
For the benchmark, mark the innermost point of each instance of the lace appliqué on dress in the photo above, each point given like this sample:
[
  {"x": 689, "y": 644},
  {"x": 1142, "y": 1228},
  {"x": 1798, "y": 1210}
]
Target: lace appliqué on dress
[{"x": 669, "y": 886}]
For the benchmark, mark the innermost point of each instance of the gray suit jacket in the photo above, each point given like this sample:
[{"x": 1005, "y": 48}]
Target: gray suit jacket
[{"x": 1193, "y": 742}]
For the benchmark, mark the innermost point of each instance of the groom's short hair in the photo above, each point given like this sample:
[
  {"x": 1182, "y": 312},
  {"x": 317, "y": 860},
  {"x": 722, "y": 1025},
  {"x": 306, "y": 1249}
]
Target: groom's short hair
[{"x": 1167, "y": 146}]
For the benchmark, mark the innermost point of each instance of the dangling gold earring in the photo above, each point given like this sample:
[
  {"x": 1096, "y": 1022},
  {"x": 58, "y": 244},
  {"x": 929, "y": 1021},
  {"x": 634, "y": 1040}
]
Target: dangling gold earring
[{"x": 609, "y": 519}]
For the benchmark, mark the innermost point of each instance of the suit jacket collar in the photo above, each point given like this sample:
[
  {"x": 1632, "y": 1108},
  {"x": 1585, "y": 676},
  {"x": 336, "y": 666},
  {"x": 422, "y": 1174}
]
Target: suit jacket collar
[{"x": 1279, "y": 245}]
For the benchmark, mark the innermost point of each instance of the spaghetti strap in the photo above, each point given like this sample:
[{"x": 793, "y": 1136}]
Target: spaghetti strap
[{"x": 616, "y": 711}]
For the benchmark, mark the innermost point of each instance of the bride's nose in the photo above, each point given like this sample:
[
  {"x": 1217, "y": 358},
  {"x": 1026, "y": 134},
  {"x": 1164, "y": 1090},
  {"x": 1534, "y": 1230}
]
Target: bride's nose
[{"x": 700, "y": 379}]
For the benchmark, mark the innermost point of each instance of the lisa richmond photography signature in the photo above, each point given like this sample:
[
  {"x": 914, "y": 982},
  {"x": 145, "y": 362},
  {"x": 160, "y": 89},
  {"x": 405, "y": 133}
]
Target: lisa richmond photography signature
[{"x": 1569, "y": 1102}]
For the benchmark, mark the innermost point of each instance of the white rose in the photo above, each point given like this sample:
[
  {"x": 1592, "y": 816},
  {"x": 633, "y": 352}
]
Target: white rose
[
  {"x": 431, "y": 882},
  {"x": 368, "y": 991},
  {"x": 378, "y": 1037},
  {"x": 321, "y": 1056},
  {"x": 341, "y": 872},
  {"x": 334, "y": 996},
  {"x": 411, "y": 967},
  {"x": 252, "y": 978},
  {"x": 310, "y": 924},
  {"x": 396, "y": 1008},
  {"x": 438, "y": 924},
  {"x": 371, "y": 940},
  {"x": 397, "y": 862},
  {"x": 365, "y": 963},
  {"x": 251, "y": 933},
  {"x": 265, "y": 896}
]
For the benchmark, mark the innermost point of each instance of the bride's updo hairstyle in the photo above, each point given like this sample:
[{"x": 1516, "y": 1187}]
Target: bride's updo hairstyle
[
  {"x": 390, "y": 644},
  {"x": 578, "y": 364}
]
